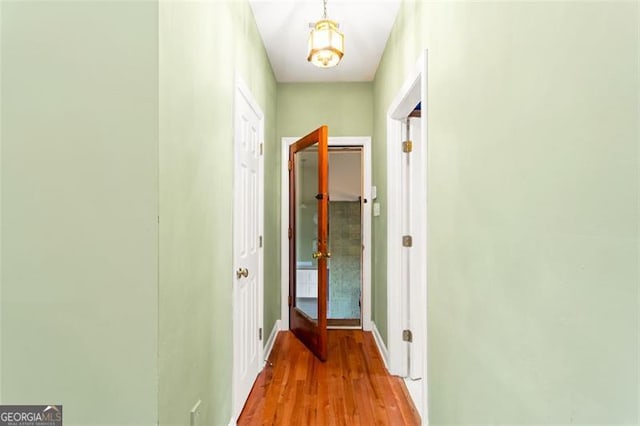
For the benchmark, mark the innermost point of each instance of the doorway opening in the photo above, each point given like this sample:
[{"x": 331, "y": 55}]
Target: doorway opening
[
  {"x": 345, "y": 236},
  {"x": 348, "y": 296}
]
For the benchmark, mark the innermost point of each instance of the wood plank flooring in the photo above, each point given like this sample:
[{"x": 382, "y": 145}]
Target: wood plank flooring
[{"x": 351, "y": 388}]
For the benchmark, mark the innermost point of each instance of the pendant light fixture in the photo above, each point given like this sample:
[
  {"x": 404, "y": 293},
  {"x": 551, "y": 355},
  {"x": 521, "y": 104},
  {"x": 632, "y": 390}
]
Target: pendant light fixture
[{"x": 326, "y": 43}]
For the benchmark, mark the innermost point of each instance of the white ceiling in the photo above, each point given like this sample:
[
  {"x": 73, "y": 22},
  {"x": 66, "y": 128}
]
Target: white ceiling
[{"x": 284, "y": 27}]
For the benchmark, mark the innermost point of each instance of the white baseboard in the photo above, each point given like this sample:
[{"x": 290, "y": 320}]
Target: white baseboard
[
  {"x": 367, "y": 325},
  {"x": 380, "y": 344},
  {"x": 268, "y": 346},
  {"x": 415, "y": 392},
  {"x": 271, "y": 340}
]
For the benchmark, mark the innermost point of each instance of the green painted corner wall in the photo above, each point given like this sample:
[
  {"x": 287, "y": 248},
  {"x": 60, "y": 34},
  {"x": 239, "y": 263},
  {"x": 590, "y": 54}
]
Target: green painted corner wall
[
  {"x": 79, "y": 165},
  {"x": 196, "y": 200},
  {"x": 533, "y": 206},
  {"x": 119, "y": 114},
  {"x": 346, "y": 108}
]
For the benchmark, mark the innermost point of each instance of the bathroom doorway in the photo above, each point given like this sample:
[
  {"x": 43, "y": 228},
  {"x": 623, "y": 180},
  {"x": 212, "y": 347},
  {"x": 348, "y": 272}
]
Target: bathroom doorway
[
  {"x": 349, "y": 242},
  {"x": 344, "y": 306}
]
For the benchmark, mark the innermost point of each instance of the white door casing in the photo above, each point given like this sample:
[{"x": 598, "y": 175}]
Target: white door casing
[
  {"x": 407, "y": 215},
  {"x": 411, "y": 289},
  {"x": 247, "y": 251}
]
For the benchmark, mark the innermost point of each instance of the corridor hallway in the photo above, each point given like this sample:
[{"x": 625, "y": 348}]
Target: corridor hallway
[{"x": 351, "y": 388}]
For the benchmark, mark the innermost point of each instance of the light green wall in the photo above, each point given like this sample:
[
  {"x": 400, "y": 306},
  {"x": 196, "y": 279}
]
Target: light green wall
[
  {"x": 345, "y": 107},
  {"x": 89, "y": 83},
  {"x": 533, "y": 188},
  {"x": 79, "y": 213},
  {"x": 533, "y": 215},
  {"x": 202, "y": 44}
]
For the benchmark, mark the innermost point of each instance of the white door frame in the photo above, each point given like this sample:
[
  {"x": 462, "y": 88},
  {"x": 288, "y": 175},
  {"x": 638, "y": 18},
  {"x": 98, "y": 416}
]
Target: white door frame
[
  {"x": 413, "y": 90},
  {"x": 365, "y": 143},
  {"x": 241, "y": 89}
]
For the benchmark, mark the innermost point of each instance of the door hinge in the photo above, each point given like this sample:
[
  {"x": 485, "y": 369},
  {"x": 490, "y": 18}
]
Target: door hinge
[
  {"x": 260, "y": 241},
  {"x": 289, "y": 165},
  {"x": 261, "y": 147},
  {"x": 407, "y": 146},
  {"x": 260, "y": 333},
  {"x": 407, "y": 336},
  {"x": 290, "y": 232},
  {"x": 407, "y": 241},
  {"x": 289, "y": 300}
]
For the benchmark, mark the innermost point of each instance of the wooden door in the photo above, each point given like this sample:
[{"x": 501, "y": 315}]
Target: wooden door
[{"x": 308, "y": 240}]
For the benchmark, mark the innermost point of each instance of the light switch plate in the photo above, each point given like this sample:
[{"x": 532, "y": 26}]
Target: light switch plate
[
  {"x": 376, "y": 209},
  {"x": 374, "y": 192}
]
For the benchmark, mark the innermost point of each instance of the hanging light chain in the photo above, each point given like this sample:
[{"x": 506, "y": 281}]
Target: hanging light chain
[{"x": 325, "y": 10}]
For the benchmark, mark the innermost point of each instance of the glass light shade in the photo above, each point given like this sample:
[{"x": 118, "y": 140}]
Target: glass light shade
[{"x": 326, "y": 44}]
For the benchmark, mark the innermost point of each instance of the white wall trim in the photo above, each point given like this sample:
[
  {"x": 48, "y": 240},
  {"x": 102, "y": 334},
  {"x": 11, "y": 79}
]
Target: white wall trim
[
  {"x": 365, "y": 143},
  {"x": 415, "y": 389},
  {"x": 399, "y": 303},
  {"x": 233, "y": 421},
  {"x": 268, "y": 347},
  {"x": 397, "y": 348},
  {"x": 380, "y": 344}
]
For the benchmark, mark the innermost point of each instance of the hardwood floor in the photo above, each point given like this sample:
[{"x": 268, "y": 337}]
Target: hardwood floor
[{"x": 351, "y": 388}]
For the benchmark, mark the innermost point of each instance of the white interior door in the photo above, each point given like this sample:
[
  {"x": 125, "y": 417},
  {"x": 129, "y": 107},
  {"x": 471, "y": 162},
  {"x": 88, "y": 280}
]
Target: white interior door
[{"x": 247, "y": 275}]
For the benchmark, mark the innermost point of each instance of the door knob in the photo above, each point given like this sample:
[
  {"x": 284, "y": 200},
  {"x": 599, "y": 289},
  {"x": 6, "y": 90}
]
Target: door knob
[
  {"x": 319, "y": 254},
  {"x": 242, "y": 272}
]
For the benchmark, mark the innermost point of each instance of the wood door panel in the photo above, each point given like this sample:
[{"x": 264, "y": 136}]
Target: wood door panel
[{"x": 311, "y": 331}]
